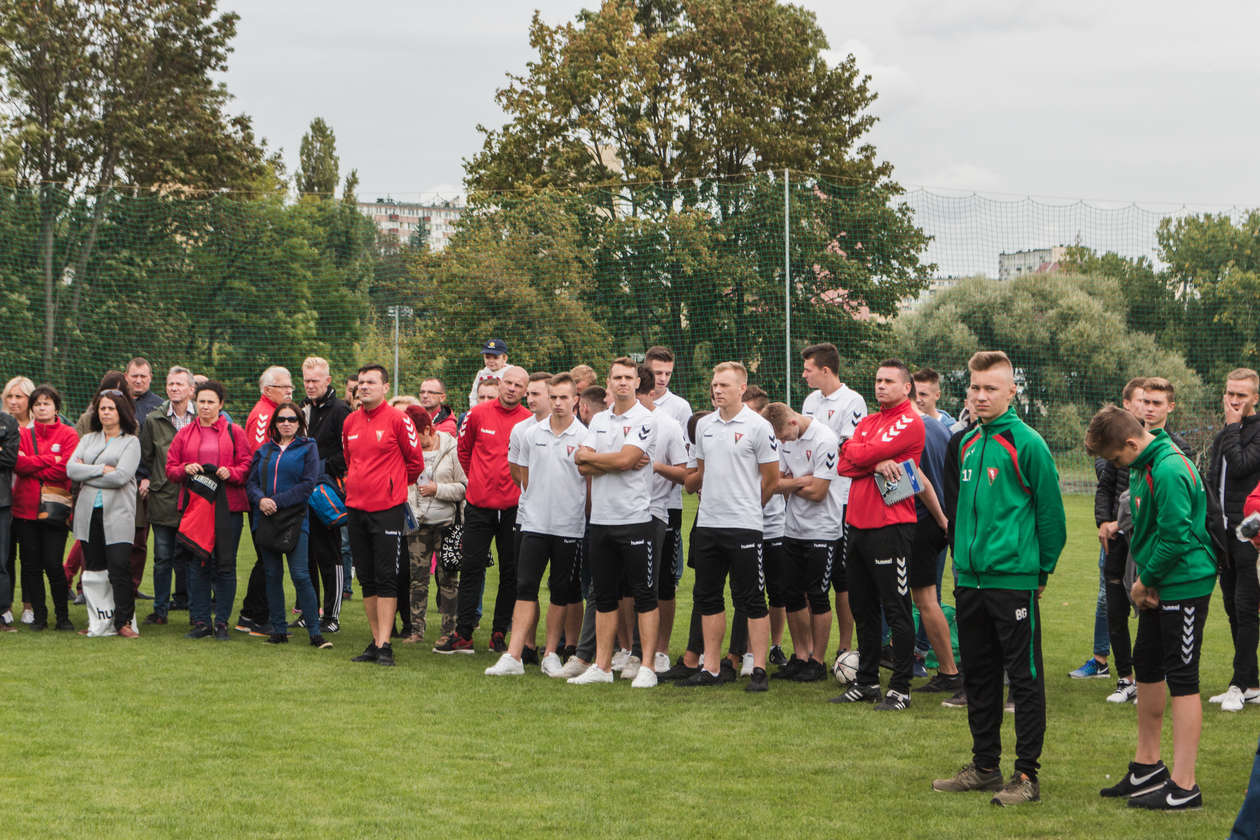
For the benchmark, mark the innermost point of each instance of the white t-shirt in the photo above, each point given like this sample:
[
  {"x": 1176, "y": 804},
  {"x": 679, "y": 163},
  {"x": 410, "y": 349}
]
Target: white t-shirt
[
  {"x": 840, "y": 410},
  {"x": 671, "y": 450},
  {"x": 814, "y": 453},
  {"x": 733, "y": 452},
  {"x": 556, "y": 492},
  {"x": 516, "y": 456},
  {"x": 622, "y": 498},
  {"x": 774, "y": 516},
  {"x": 675, "y": 406},
  {"x": 483, "y": 374}
]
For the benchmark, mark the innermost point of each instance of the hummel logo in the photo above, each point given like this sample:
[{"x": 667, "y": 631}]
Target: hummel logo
[
  {"x": 746, "y": 547},
  {"x": 897, "y": 428},
  {"x": 644, "y": 433}
]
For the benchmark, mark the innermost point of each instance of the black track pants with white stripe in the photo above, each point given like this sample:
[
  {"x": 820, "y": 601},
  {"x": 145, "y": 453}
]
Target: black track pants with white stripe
[{"x": 878, "y": 566}]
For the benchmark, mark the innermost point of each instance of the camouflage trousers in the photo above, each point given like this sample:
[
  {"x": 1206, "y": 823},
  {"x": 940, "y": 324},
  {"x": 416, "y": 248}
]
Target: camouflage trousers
[{"x": 420, "y": 547}]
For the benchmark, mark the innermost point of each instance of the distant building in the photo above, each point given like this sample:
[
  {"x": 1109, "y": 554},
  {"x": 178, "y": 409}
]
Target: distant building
[
  {"x": 1012, "y": 264},
  {"x": 412, "y": 222},
  {"x": 935, "y": 285}
]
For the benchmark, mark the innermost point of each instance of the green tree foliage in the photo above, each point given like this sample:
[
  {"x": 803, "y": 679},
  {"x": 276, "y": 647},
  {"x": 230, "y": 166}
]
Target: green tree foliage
[
  {"x": 318, "y": 163},
  {"x": 1065, "y": 334}
]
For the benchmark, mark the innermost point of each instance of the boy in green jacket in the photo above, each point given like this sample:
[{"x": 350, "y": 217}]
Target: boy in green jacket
[
  {"x": 1009, "y": 529},
  {"x": 1176, "y": 573}
]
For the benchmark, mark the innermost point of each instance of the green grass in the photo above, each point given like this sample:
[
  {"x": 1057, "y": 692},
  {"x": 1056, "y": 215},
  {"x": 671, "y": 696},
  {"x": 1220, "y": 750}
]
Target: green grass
[{"x": 164, "y": 737}]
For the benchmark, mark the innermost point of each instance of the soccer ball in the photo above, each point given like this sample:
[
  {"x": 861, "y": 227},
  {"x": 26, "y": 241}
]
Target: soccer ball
[{"x": 845, "y": 666}]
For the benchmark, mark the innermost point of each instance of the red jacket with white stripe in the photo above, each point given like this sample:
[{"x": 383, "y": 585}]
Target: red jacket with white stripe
[
  {"x": 483, "y": 448},
  {"x": 383, "y": 457},
  {"x": 256, "y": 425},
  {"x": 895, "y": 433}
]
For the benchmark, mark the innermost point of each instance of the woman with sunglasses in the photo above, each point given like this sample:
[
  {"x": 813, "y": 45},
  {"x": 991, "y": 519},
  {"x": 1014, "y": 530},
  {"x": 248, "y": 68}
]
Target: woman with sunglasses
[
  {"x": 281, "y": 477},
  {"x": 105, "y": 463}
]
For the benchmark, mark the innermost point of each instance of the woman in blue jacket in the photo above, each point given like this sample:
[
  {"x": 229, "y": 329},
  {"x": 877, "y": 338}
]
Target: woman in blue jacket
[{"x": 281, "y": 477}]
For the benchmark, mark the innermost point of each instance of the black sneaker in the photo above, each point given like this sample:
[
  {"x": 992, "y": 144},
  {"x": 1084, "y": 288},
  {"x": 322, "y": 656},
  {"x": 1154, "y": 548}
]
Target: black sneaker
[
  {"x": 178, "y": 606},
  {"x": 811, "y": 671},
  {"x": 154, "y": 618},
  {"x": 758, "y": 681},
  {"x": 700, "y": 678},
  {"x": 789, "y": 671},
  {"x": 1141, "y": 778},
  {"x": 329, "y": 625},
  {"x": 64, "y": 624},
  {"x": 221, "y": 632},
  {"x": 942, "y": 683},
  {"x": 777, "y": 657},
  {"x": 529, "y": 656},
  {"x": 727, "y": 672},
  {"x": 199, "y": 631},
  {"x": 453, "y": 643},
  {"x": 38, "y": 626},
  {"x": 1168, "y": 797},
  {"x": 679, "y": 671},
  {"x": 894, "y": 701},
  {"x": 143, "y": 596},
  {"x": 957, "y": 701},
  {"x": 571, "y": 651},
  {"x": 277, "y": 639},
  {"x": 248, "y": 625},
  {"x": 369, "y": 654},
  {"x": 318, "y": 641},
  {"x": 498, "y": 642},
  {"x": 858, "y": 694},
  {"x": 300, "y": 623},
  {"x": 385, "y": 656}
]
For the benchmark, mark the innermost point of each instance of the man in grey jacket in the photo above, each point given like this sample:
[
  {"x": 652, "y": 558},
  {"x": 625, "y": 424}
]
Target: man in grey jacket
[{"x": 8, "y": 457}]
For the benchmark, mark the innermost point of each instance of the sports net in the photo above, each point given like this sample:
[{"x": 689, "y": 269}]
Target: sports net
[{"x": 1082, "y": 295}]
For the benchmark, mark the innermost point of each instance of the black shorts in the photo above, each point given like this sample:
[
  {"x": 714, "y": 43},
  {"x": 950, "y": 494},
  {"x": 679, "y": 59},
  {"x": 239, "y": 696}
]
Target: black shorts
[
  {"x": 671, "y": 556},
  {"x": 623, "y": 552},
  {"x": 774, "y": 559},
  {"x": 839, "y": 577},
  {"x": 1169, "y": 639},
  {"x": 807, "y": 581},
  {"x": 378, "y": 546},
  {"x": 718, "y": 552},
  {"x": 929, "y": 542},
  {"x": 534, "y": 553}
]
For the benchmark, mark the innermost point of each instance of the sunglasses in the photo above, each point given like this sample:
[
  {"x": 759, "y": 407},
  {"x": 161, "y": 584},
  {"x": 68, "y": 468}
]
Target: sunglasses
[{"x": 288, "y": 418}]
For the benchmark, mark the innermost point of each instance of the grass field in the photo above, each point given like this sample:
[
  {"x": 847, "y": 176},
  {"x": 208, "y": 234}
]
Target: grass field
[{"x": 165, "y": 737}]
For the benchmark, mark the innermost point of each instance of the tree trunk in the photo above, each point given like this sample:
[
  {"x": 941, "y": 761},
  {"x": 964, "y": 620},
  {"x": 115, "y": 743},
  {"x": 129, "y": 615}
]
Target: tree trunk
[{"x": 47, "y": 219}]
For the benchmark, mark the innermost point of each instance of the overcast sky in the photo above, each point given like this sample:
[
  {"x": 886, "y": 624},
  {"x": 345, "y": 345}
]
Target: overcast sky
[{"x": 1120, "y": 101}]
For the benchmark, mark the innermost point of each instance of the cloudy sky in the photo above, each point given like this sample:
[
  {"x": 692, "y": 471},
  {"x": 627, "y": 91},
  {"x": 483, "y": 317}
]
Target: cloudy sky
[{"x": 1149, "y": 102}]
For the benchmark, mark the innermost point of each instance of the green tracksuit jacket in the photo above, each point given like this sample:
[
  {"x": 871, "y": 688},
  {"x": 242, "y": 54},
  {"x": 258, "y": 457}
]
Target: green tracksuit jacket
[
  {"x": 1009, "y": 528},
  {"x": 1170, "y": 543}
]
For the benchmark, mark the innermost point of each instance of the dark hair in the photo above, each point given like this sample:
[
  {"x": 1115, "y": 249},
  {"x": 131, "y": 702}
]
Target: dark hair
[
  {"x": 595, "y": 394},
  {"x": 562, "y": 379},
  {"x": 273, "y": 431},
  {"x": 756, "y": 397},
  {"x": 691, "y": 424},
  {"x": 371, "y": 367},
  {"x": 647, "y": 382},
  {"x": 45, "y": 391},
  {"x": 927, "y": 376},
  {"x": 824, "y": 356},
  {"x": 539, "y": 376},
  {"x": 623, "y": 361},
  {"x": 900, "y": 366},
  {"x": 210, "y": 385},
  {"x": 113, "y": 379},
  {"x": 354, "y": 377},
  {"x": 122, "y": 402},
  {"x": 138, "y": 362},
  {"x": 657, "y": 353},
  {"x": 1109, "y": 430},
  {"x": 420, "y": 418}
]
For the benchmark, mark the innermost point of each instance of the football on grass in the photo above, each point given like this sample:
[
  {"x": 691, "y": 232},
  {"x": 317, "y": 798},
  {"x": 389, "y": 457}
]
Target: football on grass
[{"x": 845, "y": 666}]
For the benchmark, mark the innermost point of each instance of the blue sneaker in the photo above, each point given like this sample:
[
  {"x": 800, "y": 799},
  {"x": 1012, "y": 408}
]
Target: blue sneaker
[
  {"x": 919, "y": 670},
  {"x": 1092, "y": 669}
]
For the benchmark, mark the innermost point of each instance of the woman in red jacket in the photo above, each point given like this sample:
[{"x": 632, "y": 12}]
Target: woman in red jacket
[
  {"x": 214, "y": 442},
  {"x": 43, "y": 450}
]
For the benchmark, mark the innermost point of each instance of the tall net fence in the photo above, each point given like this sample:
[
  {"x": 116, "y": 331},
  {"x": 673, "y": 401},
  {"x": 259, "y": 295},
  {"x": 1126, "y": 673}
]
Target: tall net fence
[{"x": 1083, "y": 296}]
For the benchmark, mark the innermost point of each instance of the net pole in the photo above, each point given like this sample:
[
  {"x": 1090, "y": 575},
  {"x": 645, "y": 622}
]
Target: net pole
[
  {"x": 787, "y": 293},
  {"x": 396, "y": 314}
]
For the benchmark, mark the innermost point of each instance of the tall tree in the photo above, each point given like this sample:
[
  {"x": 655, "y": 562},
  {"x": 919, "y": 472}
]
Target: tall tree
[{"x": 318, "y": 163}]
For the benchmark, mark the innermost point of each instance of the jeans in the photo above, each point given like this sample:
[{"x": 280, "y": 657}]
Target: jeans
[
  {"x": 1102, "y": 632},
  {"x": 300, "y": 574},
  {"x": 168, "y": 556},
  {"x": 347, "y": 563},
  {"x": 202, "y": 577},
  {"x": 1247, "y": 825}
]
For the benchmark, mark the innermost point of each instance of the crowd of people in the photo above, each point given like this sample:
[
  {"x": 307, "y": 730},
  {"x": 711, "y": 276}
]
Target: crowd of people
[{"x": 831, "y": 520}]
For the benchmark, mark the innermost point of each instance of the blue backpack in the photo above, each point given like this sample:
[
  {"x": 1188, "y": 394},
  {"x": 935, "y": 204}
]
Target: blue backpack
[{"x": 328, "y": 502}]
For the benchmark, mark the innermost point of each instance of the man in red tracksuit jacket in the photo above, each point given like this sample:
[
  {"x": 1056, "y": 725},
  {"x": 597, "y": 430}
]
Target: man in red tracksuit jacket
[
  {"x": 275, "y": 385},
  {"x": 383, "y": 457},
  {"x": 881, "y": 536},
  {"x": 489, "y": 512}
]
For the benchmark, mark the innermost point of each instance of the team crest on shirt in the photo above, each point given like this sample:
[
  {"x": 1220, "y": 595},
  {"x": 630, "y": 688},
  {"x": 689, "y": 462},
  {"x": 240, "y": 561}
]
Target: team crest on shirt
[
  {"x": 739, "y": 436},
  {"x": 625, "y": 430},
  {"x": 569, "y": 450},
  {"x": 830, "y": 412},
  {"x": 993, "y": 474},
  {"x": 379, "y": 434},
  {"x": 809, "y": 454}
]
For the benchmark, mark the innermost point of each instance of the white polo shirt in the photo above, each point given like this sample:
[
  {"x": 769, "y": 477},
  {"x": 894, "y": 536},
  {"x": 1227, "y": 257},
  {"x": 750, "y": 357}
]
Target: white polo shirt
[
  {"x": 840, "y": 410},
  {"x": 556, "y": 491},
  {"x": 814, "y": 453},
  {"x": 622, "y": 498},
  {"x": 773, "y": 518},
  {"x": 675, "y": 406},
  {"x": 516, "y": 455},
  {"x": 671, "y": 450},
  {"x": 733, "y": 452}
]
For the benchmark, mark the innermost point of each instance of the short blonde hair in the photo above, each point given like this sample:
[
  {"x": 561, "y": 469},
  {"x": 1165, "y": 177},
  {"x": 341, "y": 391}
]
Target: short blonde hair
[
  {"x": 315, "y": 363},
  {"x": 1237, "y": 375},
  {"x": 737, "y": 368},
  {"x": 983, "y": 360},
  {"x": 403, "y": 400}
]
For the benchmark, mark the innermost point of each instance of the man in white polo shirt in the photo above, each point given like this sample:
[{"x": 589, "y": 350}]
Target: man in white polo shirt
[
  {"x": 808, "y": 454},
  {"x": 841, "y": 408},
  {"x": 737, "y": 469},
  {"x": 617, "y": 454},
  {"x": 538, "y": 402},
  {"x": 660, "y": 360},
  {"x": 555, "y": 495}
]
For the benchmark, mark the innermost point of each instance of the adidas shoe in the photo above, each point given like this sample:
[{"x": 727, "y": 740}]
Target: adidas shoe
[
  {"x": 643, "y": 678},
  {"x": 329, "y": 625},
  {"x": 507, "y": 666},
  {"x": 1126, "y": 692},
  {"x": 1140, "y": 779},
  {"x": 592, "y": 675},
  {"x": 894, "y": 701},
  {"x": 1091, "y": 670},
  {"x": 551, "y": 665},
  {"x": 970, "y": 778},
  {"x": 1168, "y": 797},
  {"x": 859, "y": 694}
]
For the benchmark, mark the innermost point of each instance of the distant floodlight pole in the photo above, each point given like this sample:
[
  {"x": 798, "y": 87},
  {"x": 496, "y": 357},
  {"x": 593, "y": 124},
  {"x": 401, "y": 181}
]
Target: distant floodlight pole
[
  {"x": 397, "y": 312},
  {"x": 787, "y": 293}
]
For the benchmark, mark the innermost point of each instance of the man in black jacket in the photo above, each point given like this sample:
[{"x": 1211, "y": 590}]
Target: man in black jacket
[
  {"x": 8, "y": 457},
  {"x": 325, "y": 413},
  {"x": 1233, "y": 472}
]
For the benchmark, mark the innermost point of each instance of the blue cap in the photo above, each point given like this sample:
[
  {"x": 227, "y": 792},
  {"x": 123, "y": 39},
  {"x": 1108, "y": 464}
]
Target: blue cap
[{"x": 495, "y": 347}]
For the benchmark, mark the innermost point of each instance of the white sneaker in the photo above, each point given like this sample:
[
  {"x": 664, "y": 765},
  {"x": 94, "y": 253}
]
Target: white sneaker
[
  {"x": 661, "y": 663},
  {"x": 1252, "y": 695},
  {"x": 507, "y": 666},
  {"x": 1126, "y": 692},
  {"x": 1233, "y": 700},
  {"x": 593, "y": 674},
  {"x": 746, "y": 667},
  {"x": 28, "y": 617},
  {"x": 1217, "y": 698},
  {"x": 619, "y": 659},
  {"x": 646, "y": 678},
  {"x": 573, "y": 668},
  {"x": 551, "y": 665},
  {"x": 700, "y": 661},
  {"x": 8, "y": 616},
  {"x": 631, "y": 668}
]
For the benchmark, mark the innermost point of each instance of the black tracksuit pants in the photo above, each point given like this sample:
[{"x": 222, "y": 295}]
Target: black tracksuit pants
[
  {"x": 878, "y": 566},
  {"x": 999, "y": 630},
  {"x": 481, "y": 526}
]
